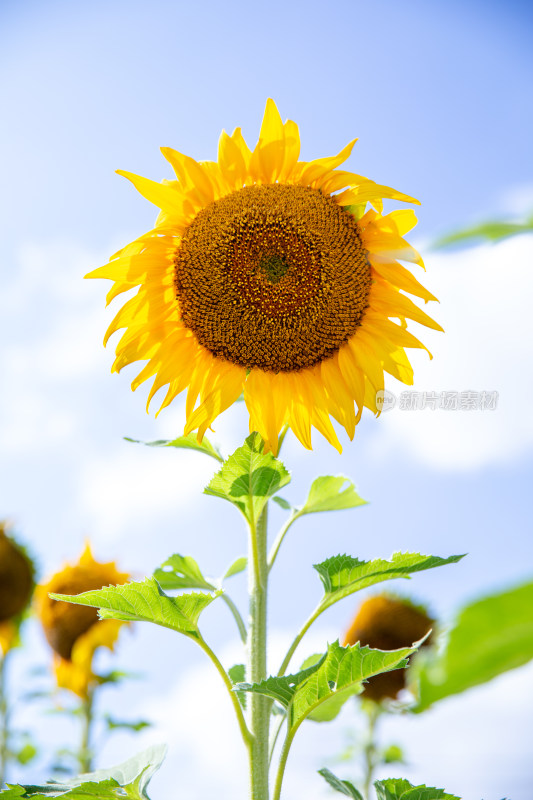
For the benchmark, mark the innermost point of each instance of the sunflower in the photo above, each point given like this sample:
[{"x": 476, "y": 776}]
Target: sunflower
[
  {"x": 16, "y": 588},
  {"x": 72, "y": 631},
  {"x": 269, "y": 276},
  {"x": 388, "y": 623}
]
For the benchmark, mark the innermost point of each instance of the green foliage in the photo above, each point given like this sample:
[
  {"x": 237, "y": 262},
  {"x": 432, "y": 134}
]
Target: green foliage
[
  {"x": 129, "y": 779},
  {"x": 237, "y": 674},
  {"x": 282, "y": 503},
  {"x": 146, "y": 602},
  {"x": 239, "y": 565},
  {"x": 343, "y": 575},
  {"x": 331, "y": 493},
  {"x": 116, "y": 724},
  {"x": 400, "y": 789},
  {"x": 188, "y": 442},
  {"x": 491, "y": 636},
  {"x": 340, "y": 670},
  {"x": 488, "y": 231},
  {"x": 344, "y": 787},
  {"x": 181, "y": 572},
  {"x": 393, "y": 754},
  {"x": 248, "y": 478},
  {"x": 26, "y": 753}
]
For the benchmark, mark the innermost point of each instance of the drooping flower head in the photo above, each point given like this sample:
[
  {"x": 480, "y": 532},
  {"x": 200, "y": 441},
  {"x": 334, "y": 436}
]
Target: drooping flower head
[
  {"x": 16, "y": 587},
  {"x": 387, "y": 622},
  {"x": 74, "y": 631},
  {"x": 268, "y": 275}
]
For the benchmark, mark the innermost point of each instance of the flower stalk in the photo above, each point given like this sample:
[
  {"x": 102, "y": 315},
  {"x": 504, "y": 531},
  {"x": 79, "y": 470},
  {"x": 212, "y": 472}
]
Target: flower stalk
[
  {"x": 85, "y": 754},
  {"x": 4, "y": 721},
  {"x": 257, "y": 650}
]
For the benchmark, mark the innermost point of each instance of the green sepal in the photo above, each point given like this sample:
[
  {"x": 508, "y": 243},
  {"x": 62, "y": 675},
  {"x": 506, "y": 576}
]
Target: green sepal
[
  {"x": 145, "y": 601},
  {"x": 491, "y": 636},
  {"x": 357, "y": 210},
  {"x": 343, "y": 575},
  {"x": 344, "y": 787},
  {"x": 400, "y": 789},
  {"x": 248, "y": 478},
  {"x": 129, "y": 779},
  {"x": 188, "y": 442}
]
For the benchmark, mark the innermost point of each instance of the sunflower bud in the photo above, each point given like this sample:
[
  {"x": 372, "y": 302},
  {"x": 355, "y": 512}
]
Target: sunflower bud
[
  {"x": 16, "y": 578},
  {"x": 387, "y": 623},
  {"x": 64, "y": 623}
]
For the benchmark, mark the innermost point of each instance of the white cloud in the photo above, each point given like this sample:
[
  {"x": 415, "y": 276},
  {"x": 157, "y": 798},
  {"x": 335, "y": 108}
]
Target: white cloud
[
  {"x": 119, "y": 489},
  {"x": 484, "y": 295}
]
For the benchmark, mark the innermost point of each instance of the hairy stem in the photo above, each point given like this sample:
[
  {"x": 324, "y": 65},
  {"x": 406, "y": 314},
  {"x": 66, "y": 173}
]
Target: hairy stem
[
  {"x": 369, "y": 752},
  {"x": 85, "y": 755},
  {"x": 282, "y": 763},
  {"x": 257, "y": 650},
  {"x": 4, "y": 724},
  {"x": 236, "y": 616}
]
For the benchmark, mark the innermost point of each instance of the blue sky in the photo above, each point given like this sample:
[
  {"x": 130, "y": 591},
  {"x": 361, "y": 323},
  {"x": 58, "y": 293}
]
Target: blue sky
[{"x": 437, "y": 94}]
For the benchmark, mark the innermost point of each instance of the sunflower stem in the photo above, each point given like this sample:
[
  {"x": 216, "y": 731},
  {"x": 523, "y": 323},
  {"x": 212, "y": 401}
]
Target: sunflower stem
[
  {"x": 257, "y": 650},
  {"x": 4, "y": 721},
  {"x": 370, "y": 749},
  {"x": 85, "y": 755}
]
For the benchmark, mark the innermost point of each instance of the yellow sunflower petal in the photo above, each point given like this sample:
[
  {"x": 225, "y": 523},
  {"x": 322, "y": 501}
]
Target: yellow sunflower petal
[
  {"x": 191, "y": 175},
  {"x": 256, "y": 278},
  {"x": 164, "y": 197},
  {"x": 401, "y": 278},
  {"x": 223, "y": 389},
  {"x": 269, "y": 154}
]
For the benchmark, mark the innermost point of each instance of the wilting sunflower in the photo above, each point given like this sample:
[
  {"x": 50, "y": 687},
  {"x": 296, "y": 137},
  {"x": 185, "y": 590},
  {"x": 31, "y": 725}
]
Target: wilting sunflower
[
  {"x": 16, "y": 587},
  {"x": 388, "y": 623},
  {"x": 266, "y": 274},
  {"x": 74, "y": 632}
]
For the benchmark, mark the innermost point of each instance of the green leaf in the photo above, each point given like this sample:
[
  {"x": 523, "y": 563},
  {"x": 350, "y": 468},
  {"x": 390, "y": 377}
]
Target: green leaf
[
  {"x": 281, "y": 688},
  {"x": 282, "y": 503},
  {"x": 129, "y": 779},
  {"x": 249, "y": 477},
  {"x": 27, "y": 753},
  {"x": 237, "y": 674},
  {"x": 343, "y": 575},
  {"x": 188, "y": 442},
  {"x": 238, "y": 566},
  {"x": 491, "y": 636},
  {"x": 339, "y": 670},
  {"x": 344, "y": 787},
  {"x": 116, "y": 724},
  {"x": 146, "y": 602},
  {"x": 488, "y": 231},
  {"x": 331, "y": 493},
  {"x": 331, "y": 708},
  {"x": 400, "y": 789},
  {"x": 393, "y": 754},
  {"x": 181, "y": 572}
]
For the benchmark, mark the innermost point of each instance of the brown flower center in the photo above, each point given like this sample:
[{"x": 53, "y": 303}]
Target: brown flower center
[{"x": 274, "y": 277}]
